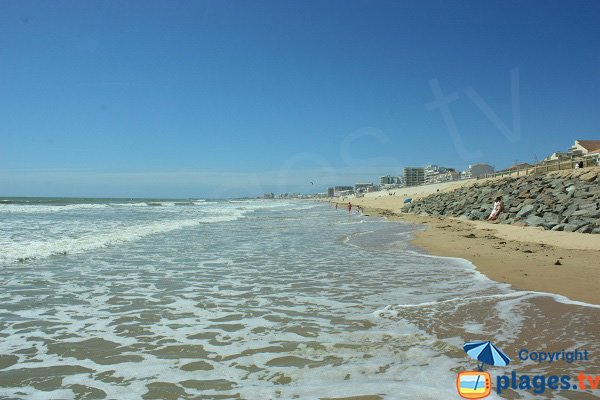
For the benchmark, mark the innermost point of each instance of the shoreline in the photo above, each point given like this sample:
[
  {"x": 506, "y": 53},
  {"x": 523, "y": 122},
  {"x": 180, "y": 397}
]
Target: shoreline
[{"x": 527, "y": 258}]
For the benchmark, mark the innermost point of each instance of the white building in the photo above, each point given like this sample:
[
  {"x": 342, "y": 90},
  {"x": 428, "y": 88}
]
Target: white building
[
  {"x": 435, "y": 173},
  {"x": 446, "y": 177},
  {"x": 338, "y": 191},
  {"x": 585, "y": 147},
  {"x": 364, "y": 188},
  {"x": 478, "y": 171},
  {"x": 557, "y": 156},
  {"x": 581, "y": 148}
]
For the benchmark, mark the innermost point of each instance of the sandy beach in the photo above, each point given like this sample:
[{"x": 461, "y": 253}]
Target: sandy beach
[{"x": 528, "y": 258}]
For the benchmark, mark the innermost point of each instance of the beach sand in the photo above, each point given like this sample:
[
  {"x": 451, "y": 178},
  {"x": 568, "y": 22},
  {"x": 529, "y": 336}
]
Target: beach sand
[{"x": 528, "y": 258}]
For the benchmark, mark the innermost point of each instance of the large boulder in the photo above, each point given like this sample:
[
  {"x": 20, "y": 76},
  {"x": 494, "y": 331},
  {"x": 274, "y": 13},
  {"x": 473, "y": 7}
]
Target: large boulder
[
  {"x": 551, "y": 218},
  {"x": 589, "y": 176},
  {"x": 585, "y": 229},
  {"x": 534, "y": 220},
  {"x": 570, "y": 210},
  {"x": 526, "y": 210},
  {"x": 587, "y": 212},
  {"x": 572, "y": 226}
]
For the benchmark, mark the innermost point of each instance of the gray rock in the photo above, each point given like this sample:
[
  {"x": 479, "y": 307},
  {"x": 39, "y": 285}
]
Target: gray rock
[
  {"x": 570, "y": 228},
  {"x": 478, "y": 215},
  {"x": 526, "y": 210},
  {"x": 580, "y": 212},
  {"x": 559, "y": 209},
  {"x": 554, "y": 183},
  {"x": 506, "y": 216},
  {"x": 585, "y": 229},
  {"x": 573, "y": 225},
  {"x": 588, "y": 206},
  {"x": 570, "y": 210},
  {"x": 589, "y": 213},
  {"x": 534, "y": 220},
  {"x": 558, "y": 227},
  {"x": 550, "y": 217},
  {"x": 582, "y": 194}
]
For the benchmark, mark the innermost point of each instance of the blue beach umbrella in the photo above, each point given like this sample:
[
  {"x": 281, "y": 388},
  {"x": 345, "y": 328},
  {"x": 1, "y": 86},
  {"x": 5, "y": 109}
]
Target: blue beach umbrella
[
  {"x": 407, "y": 200},
  {"x": 486, "y": 353}
]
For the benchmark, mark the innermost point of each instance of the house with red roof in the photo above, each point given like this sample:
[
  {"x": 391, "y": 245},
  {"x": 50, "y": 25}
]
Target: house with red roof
[{"x": 585, "y": 147}]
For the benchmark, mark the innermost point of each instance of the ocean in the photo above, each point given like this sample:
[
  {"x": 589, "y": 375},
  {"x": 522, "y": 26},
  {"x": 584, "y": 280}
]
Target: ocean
[{"x": 255, "y": 299}]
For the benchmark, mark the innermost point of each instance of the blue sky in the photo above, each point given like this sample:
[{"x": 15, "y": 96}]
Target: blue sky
[{"x": 234, "y": 98}]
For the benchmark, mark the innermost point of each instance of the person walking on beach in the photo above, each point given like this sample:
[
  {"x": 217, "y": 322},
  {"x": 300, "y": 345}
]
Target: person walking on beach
[
  {"x": 497, "y": 209},
  {"x": 349, "y": 207}
]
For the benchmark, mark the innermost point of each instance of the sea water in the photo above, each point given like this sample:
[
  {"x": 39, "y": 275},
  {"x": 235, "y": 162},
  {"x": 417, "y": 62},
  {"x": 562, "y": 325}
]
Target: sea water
[{"x": 252, "y": 299}]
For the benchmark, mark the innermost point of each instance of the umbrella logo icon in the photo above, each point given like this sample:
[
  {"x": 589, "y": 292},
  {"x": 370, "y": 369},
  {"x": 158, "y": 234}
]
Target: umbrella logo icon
[{"x": 478, "y": 384}]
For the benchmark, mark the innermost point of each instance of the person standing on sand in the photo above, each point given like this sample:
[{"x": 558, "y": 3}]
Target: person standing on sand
[{"x": 498, "y": 208}]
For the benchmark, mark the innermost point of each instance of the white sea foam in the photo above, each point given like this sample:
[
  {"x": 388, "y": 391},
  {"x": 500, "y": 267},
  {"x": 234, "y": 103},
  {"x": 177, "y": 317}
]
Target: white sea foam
[
  {"x": 42, "y": 209},
  {"x": 49, "y": 246},
  {"x": 138, "y": 204},
  {"x": 464, "y": 300},
  {"x": 273, "y": 309}
]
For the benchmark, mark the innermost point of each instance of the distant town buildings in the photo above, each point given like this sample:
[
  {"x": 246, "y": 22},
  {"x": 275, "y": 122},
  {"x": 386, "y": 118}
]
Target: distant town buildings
[
  {"x": 435, "y": 174},
  {"x": 296, "y": 195},
  {"x": 478, "y": 171},
  {"x": 390, "y": 180},
  {"x": 337, "y": 191},
  {"x": 414, "y": 176},
  {"x": 364, "y": 188},
  {"x": 588, "y": 150},
  {"x": 447, "y": 176}
]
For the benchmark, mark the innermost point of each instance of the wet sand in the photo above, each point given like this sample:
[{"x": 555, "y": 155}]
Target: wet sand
[{"x": 564, "y": 263}]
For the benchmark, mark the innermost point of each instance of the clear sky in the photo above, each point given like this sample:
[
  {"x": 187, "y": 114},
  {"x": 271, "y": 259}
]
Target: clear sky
[{"x": 233, "y": 98}]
